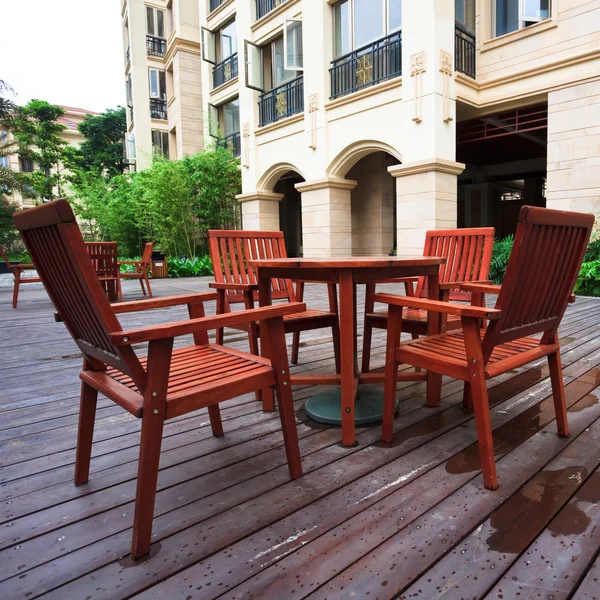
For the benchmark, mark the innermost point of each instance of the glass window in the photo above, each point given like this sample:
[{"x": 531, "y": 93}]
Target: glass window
[
  {"x": 280, "y": 74},
  {"x": 341, "y": 17},
  {"x": 25, "y": 164},
  {"x": 511, "y": 15},
  {"x": 228, "y": 40},
  {"x": 158, "y": 87},
  {"x": 155, "y": 22},
  {"x": 395, "y": 15},
  {"x": 231, "y": 117},
  {"x": 4, "y": 161},
  {"x": 465, "y": 13},
  {"x": 368, "y": 21},
  {"x": 160, "y": 141}
]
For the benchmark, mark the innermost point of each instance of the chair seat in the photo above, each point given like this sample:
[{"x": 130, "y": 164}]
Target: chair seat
[
  {"x": 409, "y": 314},
  {"x": 449, "y": 348},
  {"x": 309, "y": 314},
  {"x": 207, "y": 374}
]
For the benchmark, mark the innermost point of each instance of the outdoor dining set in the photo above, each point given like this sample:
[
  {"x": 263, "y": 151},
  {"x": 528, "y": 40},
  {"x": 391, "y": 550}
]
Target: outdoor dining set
[{"x": 452, "y": 331}]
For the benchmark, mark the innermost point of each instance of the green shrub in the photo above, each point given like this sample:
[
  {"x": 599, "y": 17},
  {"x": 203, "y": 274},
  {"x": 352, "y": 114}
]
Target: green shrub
[
  {"x": 500, "y": 256},
  {"x": 588, "y": 282},
  {"x": 190, "y": 267}
]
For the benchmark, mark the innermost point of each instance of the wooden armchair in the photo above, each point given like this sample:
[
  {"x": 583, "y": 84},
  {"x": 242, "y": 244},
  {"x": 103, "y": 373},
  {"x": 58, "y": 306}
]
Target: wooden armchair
[
  {"x": 468, "y": 253},
  {"x": 141, "y": 270},
  {"x": 542, "y": 270},
  {"x": 236, "y": 283},
  {"x": 167, "y": 382},
  {"x": 17, "y": 271}
]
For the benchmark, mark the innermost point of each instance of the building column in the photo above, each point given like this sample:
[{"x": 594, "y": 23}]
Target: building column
[
  {"x": 260, "y": 211},
  {"x": 573, "y": 178},
  {"x": 427, "y": 199},
  {"x": 326, "y": 217}
]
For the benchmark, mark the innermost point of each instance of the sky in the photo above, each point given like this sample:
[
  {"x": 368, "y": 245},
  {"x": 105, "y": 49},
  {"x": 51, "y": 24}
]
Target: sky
[{"x": 67, "y": 52}]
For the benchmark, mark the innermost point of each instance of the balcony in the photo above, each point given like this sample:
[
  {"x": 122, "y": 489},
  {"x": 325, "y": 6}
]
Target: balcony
[
  {"x": 156, "y": 46},
  {"x": 214, "y": 4},
  {"x": 264, "y": 7},
  {"x": 158, "y": 109},
  {"x": 464, "y": 51},
  {"x": 367, "y": 66},
  {"x": 225, "y": 70},
  {"x": 128, "y": 56},
  {"x": 281, "y": 102},
  {"x": 232, "y": 142}
]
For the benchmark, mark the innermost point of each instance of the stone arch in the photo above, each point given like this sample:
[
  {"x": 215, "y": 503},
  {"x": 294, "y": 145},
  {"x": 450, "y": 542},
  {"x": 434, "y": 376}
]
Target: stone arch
[
  {"x": 272, "y": 175},
  {"x": 350, "y": 155}
]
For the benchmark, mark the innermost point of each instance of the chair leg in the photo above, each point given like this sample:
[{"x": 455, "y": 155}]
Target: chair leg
[
  {"x": 335, "y": 332},
  {"x": 434, "y": 389},
  {"x": 366, "y": 349},
  {"x": 17, "y": 276},
  {"x": 147, "y": 279},
  {"x": 141, "y": 280},
  {"x": 119, "y": 289},
  {"x": 467, "y": 396},
  {"x": 221, "y": 309},
  {"x": 215, "y": 420},
  {"x": 558, "y": 393},
  {"x": 391, "y": 373},
  {"x": 483, "y": 425},
  {"x": 295, "y": 347},
  {"x": 85, "y": 432}
]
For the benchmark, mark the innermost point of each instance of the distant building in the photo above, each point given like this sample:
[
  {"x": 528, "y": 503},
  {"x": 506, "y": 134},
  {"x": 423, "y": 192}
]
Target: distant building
[
  {"x": 71, "y": 135},
  {"x": 363, "y": 123}
]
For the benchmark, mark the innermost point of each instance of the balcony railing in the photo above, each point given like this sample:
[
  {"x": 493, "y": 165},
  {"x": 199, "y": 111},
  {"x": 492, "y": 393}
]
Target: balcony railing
[
  {"x": 366, "y": 66},
  {"x": 128, "y": 55},
  {"x": 280, "y": 102},
  {"x": 158, "y": 109},
  {"x": 264, "y": 7},
  {"x": 156, "y": 46},
  {"x": 464, "y": 51},
  {"x": 225, "y": 71},
  {"x": 232, "y": 142},
  {"x": 214, "y": 4}
]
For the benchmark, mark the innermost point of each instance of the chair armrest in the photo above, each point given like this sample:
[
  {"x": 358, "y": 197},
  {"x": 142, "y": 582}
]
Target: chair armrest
[
  {"x": 482, "y": 288},
  {"x": 448, "y": 308},
  {"x": 453, "y": 285},
  {"x": 236, "y": 287},
  {"x": 21, "y": 267},
  {"x": 125, "y": 307},
  {"x": 129, "y": 262},
  {"x": 171, "y": 330}
]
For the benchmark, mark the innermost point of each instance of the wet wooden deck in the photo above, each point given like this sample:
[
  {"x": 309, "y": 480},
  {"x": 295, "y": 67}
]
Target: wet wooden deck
[{"x": 405, "y": 520}]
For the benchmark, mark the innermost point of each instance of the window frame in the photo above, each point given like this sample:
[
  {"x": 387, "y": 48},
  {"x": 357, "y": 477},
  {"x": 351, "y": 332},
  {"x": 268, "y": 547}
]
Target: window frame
[
  {"x": 520, "y": 18},
  {"x": 286, "y": 64},
  {"x": 164, "y": 141},
  {"x": 154, "y": 10},
  {"x": 160, "y": 96},
  {"x": 272, "y": 45},
  {"x": 351, "y": 30}
]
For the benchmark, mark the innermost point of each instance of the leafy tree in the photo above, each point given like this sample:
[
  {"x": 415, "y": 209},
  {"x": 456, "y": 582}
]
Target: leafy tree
[
  {"x": 37, "y": 133},
  {"x": 102, "y": 150},
  {"x": 8, "y": 234},
  {"x": 9, "y": 179}
]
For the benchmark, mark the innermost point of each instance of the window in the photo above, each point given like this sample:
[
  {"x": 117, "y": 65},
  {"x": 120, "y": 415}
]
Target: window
[
  {"x": 465, "y": 13},
  {"x": 279, "y": 73},
  {"x": 510, "y": 15},
  {"x": 228, "y": 41},
  {"x": 360, "y": 22},
  {"x": 4, "y": 161},
  {"x": 155, "y": 22},
  {"x": 160, "y": 142},
  {"x": 292, "y": 42},
  {"x": 158, "y": 87},
  {"x": 25, "y": 165},
  {"x": 231, "y": 117}
]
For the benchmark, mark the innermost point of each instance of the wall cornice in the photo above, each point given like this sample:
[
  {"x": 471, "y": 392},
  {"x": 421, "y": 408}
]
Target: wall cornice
[{"x": 441, "y": 165}]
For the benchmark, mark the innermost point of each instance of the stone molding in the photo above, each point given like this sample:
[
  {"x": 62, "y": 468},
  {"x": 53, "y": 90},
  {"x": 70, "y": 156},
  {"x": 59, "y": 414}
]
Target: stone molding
[
  {"x": 180, "y": 45},
  {"x": 259, "y": 195},
  {"x": 337, "y": 183},
  {"x": 440, "y": 165}
]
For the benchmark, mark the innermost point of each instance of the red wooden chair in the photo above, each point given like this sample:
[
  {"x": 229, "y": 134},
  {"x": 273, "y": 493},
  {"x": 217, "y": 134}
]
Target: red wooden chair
[
  {"x": 104, "y": 257},
  {"x": 542, "y": 270},
  {"x": 141, "y": 270},
  {"x": 230, "y": 252},
  {"x": 17, "y": 272},
  {"x": 468, "y": 253},
  {"x": 167, "y": 382}
]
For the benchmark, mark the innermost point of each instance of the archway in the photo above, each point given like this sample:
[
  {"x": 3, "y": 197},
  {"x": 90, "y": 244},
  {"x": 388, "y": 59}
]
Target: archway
[
  {"x": 290, "y": 212},
  {"x": 355, "y": 152}
]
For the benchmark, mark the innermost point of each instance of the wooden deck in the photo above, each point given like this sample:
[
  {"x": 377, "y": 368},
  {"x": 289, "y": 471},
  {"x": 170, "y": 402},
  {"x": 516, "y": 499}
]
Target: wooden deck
[{"x": 405, "y": 520}]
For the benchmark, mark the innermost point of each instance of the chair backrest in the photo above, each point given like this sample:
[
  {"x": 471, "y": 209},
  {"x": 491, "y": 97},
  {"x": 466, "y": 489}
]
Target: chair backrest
[
  {"x": 468, "y": 254},
  {"x": 147, "y": 254},
  {"x": 230, "y": 251},
  {"x": 540, "y": 276},
  {"x": 59, "y": 253},
  {"x": 104, "y": 257}
]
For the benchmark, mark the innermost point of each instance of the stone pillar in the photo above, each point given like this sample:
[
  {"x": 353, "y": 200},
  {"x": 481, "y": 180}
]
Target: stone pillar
[
  {"x": 260, "y": 211},
  {"x": 326, "y": 217},
  {"x": 427, "y": 198},
  {"x": 573, "y": 181}
]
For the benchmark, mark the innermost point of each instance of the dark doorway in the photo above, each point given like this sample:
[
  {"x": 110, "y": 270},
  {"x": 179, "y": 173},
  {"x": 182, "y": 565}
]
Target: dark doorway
[{"x": 290, "y": 212}]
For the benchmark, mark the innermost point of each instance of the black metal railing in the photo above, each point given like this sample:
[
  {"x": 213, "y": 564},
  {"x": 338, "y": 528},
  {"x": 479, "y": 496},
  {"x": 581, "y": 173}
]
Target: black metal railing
[
  {"x": 158, "y": 109},
  {"x": 366, "y": 66},
  {"x": 225, "y": 70},
  {"x": 264, "y": 7},
  {"x": 280, "y": 102},
  {"x": 214, "y": 4},
  {"x": 130, "y": 114},
  {"x": 232, "y": 142},
  {"x": 156, "y": 46},
  {"x": 464, "y": 51},
  {"x": 128, "y": 55}
]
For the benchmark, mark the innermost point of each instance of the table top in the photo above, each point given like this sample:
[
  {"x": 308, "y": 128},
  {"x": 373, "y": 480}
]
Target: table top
[{"x": 356, "y": 262}]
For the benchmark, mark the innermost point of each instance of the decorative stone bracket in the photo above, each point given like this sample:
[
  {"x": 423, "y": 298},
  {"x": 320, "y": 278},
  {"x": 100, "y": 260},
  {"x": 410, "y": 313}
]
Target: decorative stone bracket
[
  {"x": 417, "y": 68},
  {"x": 313, "y": 107},
  {"x": 246, "y": 136},
  {"x": 446, "y": 71}
]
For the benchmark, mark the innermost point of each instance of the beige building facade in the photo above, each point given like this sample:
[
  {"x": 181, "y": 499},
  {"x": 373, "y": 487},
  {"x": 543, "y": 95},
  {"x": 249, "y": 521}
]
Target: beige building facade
[{"x": 361, "y": 124}]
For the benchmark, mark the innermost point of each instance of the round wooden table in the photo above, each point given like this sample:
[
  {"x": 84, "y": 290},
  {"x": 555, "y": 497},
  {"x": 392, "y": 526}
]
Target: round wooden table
[{"x": 347, "y": 273}]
